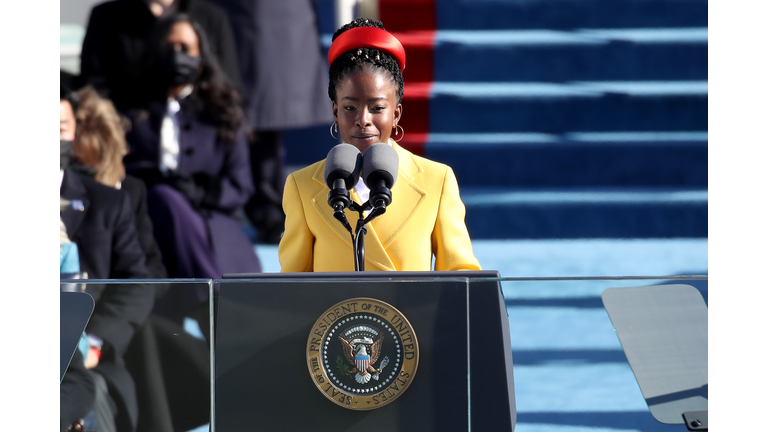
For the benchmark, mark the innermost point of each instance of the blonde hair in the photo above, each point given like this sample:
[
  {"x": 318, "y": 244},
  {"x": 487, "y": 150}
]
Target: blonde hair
[{"x": 101, "y": 133}]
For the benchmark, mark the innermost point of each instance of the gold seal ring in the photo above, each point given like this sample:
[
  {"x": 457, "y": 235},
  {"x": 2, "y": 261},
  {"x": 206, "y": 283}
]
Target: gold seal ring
[{"x": 362, "y": 353}]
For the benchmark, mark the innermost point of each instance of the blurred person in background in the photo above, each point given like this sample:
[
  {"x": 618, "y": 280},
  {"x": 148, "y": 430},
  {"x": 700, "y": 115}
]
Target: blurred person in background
[
  {"x": 99, "y": 220},
  {"x": 77, "y": 394},
  {"x": 189, "y": 145},
  {"x": 283, "y": 75},
  {"x": 99, "y": 149},
  {"x": 116, "y": 37},
  {"x": 69, "y": 262},
  {"x": 178, "y": 371},
  {"x": 77, "y": 391}
]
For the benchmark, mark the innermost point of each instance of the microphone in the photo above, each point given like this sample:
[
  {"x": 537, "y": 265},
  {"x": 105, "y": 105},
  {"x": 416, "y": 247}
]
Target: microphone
[
  {"x": 380, "y": 164},
  {"x": 342, "y": 171}
]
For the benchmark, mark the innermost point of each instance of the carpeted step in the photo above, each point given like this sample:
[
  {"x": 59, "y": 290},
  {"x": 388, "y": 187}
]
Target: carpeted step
[
  {"x": 585, "y": 213},
  {"x": 562, "y": 108},
  {"x": 577, "y": 258},
  {"x": 634, "y": 159},
  {"x": 561, "y": 56},
  {"x": 569, "y": 14}
]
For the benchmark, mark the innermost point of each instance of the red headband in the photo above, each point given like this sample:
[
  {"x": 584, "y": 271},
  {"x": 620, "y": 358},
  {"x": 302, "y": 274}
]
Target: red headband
[{"x": 367, "y": 37}]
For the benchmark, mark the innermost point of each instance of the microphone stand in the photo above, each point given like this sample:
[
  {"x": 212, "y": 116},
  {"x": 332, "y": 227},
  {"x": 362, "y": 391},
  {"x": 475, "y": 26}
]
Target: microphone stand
[{"x": 358, "y": 237}]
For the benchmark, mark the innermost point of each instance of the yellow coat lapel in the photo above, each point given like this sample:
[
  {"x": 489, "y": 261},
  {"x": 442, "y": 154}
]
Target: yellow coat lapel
[{"x": 407, "y": 198}]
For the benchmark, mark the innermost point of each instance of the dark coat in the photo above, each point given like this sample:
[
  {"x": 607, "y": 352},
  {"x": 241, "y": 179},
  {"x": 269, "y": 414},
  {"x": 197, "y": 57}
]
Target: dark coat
[
  {"x": 108, "y": 247},
  {"x": 172, "y": 373},
  {"x": 138, "y": 193},
  {"x": 104, "y": 230},
  {"x": 77, "y": 392},
  {"x": 225, "y": 165},
  {"x": 282, "y": 67},
  {"x": 115, "y": 44}
]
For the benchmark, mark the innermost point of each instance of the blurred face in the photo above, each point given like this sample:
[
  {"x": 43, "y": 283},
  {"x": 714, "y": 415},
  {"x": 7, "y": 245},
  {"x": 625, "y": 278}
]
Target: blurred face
[
  {"x": 66, "y": 121},
  {"x": 366, "y": 108},
  {"x": 183, "y": 38}
]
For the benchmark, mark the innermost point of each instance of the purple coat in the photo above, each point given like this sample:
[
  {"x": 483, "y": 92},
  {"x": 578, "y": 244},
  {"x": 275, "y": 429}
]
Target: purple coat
[{"x": 200, "y": 151}]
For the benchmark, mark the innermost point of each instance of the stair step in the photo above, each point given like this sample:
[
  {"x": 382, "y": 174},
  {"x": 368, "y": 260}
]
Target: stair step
[
  {"x": 554, "y": 56},
  {"x": 585, "y": 213},
  {"x": 574, "y": 159},
  {"x": 404, "y": 15},
  {"x": 560, "y": 56},
  {"x": 561, "y": 108},
  {"x": 569, "y": 14}
]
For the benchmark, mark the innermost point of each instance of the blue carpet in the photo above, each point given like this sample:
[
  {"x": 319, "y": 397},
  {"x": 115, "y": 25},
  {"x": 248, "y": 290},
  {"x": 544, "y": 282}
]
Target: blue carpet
[
  {"x": 573, "y": 258},
  {"x": 567, "y": 14}
]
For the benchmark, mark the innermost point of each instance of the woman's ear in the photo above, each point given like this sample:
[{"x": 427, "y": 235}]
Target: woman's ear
[
  {"x": 335, "y": 108},
  {"x": 398, "y": 113}
]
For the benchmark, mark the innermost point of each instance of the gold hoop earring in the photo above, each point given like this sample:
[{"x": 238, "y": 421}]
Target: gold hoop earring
[
  {"x": 402, "y": 132},
  {"x": 335, "y": 128}
]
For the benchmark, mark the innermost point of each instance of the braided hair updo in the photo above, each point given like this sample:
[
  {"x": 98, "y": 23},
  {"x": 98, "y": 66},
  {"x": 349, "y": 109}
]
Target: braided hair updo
[{"x": 356, "y": 60}]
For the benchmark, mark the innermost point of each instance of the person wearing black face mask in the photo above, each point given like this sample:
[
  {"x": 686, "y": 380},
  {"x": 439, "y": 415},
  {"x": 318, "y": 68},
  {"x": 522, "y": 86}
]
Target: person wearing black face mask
[
  {"x": 189, "y": 145},
  {"x": 66, "y": 147},
  {"x": 116, "y": 36},
  {"x": 180, "y": 67}
]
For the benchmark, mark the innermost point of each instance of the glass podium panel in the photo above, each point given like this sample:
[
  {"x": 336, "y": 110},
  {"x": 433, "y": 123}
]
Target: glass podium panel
[
  {"x": 155, "y": 357},
  {"x": 279, "y": 361},
  {"x": 571, "y": 368},
  {"x": 342, "y": 352}
]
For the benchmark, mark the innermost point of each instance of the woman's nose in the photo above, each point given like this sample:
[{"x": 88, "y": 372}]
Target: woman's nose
[{"x": 364, "y": 119}]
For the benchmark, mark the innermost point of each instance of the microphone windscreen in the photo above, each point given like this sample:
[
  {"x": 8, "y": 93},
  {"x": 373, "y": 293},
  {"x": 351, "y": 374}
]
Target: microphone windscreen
[
  {"x": 344, "y": 162},
  {"x": 380, "y": 162}
]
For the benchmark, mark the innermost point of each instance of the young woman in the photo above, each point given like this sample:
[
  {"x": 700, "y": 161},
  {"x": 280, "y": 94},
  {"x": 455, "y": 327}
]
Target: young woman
[{"x": 425, "y": 220}]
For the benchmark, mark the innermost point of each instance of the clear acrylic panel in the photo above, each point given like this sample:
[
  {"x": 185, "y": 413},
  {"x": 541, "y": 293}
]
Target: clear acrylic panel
[
  {"x": 155, "y": 357},
  {"x": 571, "y": 371}
]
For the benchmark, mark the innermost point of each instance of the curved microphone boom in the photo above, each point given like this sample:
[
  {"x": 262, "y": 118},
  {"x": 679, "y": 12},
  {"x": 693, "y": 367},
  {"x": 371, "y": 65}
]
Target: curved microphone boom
[{"x": 380, "y": 164}]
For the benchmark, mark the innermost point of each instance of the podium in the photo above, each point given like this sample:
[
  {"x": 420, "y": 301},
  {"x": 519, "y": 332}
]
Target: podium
[
  {"x": 363, "y": 351},
  {"x": 663, "y": 331}
]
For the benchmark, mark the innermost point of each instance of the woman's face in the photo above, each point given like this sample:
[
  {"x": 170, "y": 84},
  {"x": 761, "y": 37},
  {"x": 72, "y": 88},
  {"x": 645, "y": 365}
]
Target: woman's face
[
  {"x": 66, "y": 121},
  {"x": 366, "y": 108},
  {"x": 182, "y": 37}
]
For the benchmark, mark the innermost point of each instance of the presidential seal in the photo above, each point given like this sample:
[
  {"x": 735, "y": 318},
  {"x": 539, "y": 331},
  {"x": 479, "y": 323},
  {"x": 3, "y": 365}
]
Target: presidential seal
[{"x": 362, "y": 353}]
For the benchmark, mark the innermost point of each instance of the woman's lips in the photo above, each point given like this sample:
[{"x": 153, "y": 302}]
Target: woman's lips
[{"x": 365, "y": 137}]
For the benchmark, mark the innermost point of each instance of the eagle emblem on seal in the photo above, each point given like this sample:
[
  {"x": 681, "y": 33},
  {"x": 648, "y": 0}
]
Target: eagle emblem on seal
[{"x": 362, "y": 352}]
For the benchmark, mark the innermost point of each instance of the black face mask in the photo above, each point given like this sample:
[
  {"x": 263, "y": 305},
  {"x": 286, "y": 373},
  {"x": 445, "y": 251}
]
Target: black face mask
[
  {"x": 66, "y": 148},
  {"x": 179, "y": 67}
]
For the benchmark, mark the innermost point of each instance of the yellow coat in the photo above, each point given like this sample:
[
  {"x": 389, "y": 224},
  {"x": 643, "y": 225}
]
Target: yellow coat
[{"x": 426, "y": 218}]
